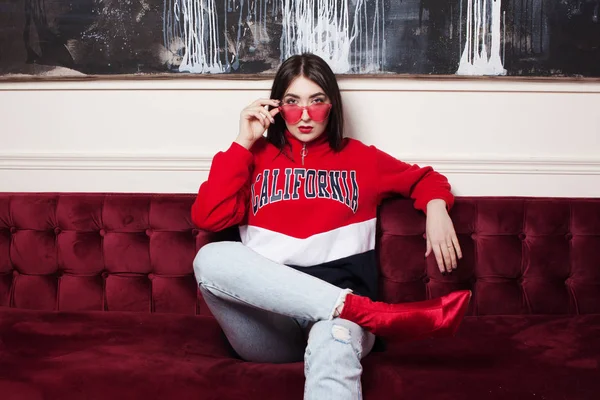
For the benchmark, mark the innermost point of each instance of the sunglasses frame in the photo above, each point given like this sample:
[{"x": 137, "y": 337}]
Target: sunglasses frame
[{"x": 307, "y": 108}]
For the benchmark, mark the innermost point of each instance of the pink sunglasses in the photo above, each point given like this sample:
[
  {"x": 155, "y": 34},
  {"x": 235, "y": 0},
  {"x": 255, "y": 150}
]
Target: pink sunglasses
[{"x": 292, "y": 113}]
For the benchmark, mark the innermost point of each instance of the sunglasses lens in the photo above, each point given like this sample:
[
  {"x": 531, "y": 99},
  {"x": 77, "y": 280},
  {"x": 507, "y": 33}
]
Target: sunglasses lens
[
  {"x": 291, "y": 113},
  {"x": 319, "y": 112}
]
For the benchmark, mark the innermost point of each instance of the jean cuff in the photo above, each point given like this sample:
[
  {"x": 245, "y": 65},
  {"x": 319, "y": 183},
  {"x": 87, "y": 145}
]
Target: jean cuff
[{"x": 340, "y": 300}]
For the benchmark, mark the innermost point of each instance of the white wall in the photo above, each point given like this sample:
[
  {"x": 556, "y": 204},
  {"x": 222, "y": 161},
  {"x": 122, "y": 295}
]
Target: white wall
[{"x": 490, "y": 137}]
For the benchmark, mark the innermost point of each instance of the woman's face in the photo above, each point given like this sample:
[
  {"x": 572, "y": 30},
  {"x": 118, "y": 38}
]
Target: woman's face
[{"x": 304, "y": 92}]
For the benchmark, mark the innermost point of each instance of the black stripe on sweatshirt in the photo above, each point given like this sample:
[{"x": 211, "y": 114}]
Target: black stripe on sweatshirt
[{"x": 357, "y": 272}]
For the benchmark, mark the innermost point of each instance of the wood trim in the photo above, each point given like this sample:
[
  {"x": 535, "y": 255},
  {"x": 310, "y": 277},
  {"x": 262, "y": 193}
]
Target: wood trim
[
  {"x": 491, "y": 165},
  {"x": 269, "y": 76}
]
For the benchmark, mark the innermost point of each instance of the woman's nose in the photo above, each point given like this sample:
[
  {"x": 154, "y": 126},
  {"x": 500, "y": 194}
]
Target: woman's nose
[{"x": 305, "y": 116}]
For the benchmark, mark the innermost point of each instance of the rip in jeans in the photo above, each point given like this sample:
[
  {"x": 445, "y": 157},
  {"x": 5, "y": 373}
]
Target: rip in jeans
[{"x": 341, "y": 334}]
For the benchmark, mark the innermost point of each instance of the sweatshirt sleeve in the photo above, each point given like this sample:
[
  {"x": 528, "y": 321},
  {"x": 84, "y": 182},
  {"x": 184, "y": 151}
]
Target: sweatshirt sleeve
[
  {"x": 420, "y": 184},
  {"x": 222, "y": 199}
]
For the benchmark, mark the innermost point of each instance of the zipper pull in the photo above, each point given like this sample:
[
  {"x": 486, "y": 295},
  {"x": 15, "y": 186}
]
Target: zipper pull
[{"x": 304, "y": 153}]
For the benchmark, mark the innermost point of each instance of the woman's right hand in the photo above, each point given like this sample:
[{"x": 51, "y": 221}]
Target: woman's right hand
[{"x": 255, "y": 120}]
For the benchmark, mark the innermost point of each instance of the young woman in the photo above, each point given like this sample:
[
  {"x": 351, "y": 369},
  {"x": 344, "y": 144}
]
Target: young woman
[{"x": 302, "y": 283}]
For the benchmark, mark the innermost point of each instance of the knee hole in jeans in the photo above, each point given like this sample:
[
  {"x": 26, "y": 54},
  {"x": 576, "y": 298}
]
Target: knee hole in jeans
[{"x": 341, "y": 334}]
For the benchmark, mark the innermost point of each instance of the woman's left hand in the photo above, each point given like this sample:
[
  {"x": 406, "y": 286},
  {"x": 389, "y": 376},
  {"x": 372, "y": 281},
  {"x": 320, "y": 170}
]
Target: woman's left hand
[{"x": 441, "y": 237}]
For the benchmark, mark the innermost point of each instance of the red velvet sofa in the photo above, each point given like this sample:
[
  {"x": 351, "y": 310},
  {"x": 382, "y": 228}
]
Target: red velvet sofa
[{"x": 98, "y": 301}]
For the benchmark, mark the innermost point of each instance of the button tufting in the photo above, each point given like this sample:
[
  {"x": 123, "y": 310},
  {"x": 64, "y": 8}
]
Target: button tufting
[
  {"x": 426, "y": 280},
  {"x": 473, "y": 236},
  {"x": 15, "y": 272},
  {"x": 148, "y": 232},
  {"x": 195, "y": 232},
  {"x": 13, "y": 229},
  {"x": 102, "y": 232},
  {"x": 151, "y": 276},
  {"x": 104, "y": 274},
  {"x": 57, "y": 230},
  {"x": 522, "y": 236},
  {"x": 569, "y": 236}
]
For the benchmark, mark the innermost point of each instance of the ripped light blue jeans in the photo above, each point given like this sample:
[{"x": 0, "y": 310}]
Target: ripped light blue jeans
[{"x": 271, "y": 313}]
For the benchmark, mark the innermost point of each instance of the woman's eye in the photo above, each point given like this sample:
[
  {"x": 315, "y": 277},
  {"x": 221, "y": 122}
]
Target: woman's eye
[
  {"x": 290, "y": 101},
  {"x": 318, "y": 100}
]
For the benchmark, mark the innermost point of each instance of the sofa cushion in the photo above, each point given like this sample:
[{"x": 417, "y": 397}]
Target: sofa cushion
[
  {"x": 520, "y": 255},
  {"x": 100, "y": 252},
  {"x": 495, "y": 358},
  {"x": 134, "y": 252},
  {"x": 98, "y": 355}
]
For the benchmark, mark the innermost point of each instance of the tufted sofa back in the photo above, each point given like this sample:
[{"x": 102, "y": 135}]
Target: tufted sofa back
[
  {"x": 520, "y": 255},
  {"x": 134, "y": 252}
]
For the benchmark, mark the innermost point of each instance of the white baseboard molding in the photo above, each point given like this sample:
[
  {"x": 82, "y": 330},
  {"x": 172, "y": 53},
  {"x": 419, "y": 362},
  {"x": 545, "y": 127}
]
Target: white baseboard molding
[
  {"x": 183, "y": 173},
  {"x": 104, "y": 162},
  {"x": 187, "y": 162}
]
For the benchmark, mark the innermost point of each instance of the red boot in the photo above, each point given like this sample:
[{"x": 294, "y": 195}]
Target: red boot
[{"x": 408, "y": 321}]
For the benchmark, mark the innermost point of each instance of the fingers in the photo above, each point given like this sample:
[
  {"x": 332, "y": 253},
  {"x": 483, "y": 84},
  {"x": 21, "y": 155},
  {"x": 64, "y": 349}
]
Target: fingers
[
  {"x": 274, "y": 112},
  {"x": 266, "y": 114},
  {"x": 265, "y": 102},
  {"x": 255, "y": 119},
  {"x": 446, "y": 253},
  {"x": 454, "y": 251},
  {"x": 447, "y": 258},
  {"x": 442, "y": 240},
  {"x": 259, "y": 106},
  {"x": 451, "y": 263},
  {"x": 261, "y": 117},
  {"x": 439, "y": 258},
  {"x": 261, "y": 114},
  {"x": 457, "y": 246}
]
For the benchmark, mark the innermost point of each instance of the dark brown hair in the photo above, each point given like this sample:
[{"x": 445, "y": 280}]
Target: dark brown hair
[{"x": 314, "y": 68}]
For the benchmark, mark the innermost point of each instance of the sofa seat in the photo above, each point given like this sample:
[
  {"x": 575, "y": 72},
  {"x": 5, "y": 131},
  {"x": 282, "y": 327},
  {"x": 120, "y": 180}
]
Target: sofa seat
[{"x": 127, "y": 355}]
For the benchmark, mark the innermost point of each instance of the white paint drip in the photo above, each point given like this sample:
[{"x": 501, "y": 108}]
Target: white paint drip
[
  {"x": 327, "y": 33},
  {"x": 319, "y": 27},
  {"x": 322, "y": 27},
  {"x": 195, "y": 23},
  {"x": 495, "y": 61},
  {"x": 475, "y": 59}
]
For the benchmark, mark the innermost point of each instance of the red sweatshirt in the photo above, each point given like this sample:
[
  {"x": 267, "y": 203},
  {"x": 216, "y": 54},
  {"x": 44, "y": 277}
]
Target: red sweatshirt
[{"x": 312, "y": 208}]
